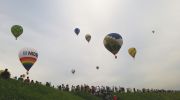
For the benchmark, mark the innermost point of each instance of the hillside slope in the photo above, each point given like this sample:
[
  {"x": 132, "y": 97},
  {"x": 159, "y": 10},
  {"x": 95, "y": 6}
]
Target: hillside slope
[
  {"x": 15, "y": 90},
  {"x": 149, "y": 96}
]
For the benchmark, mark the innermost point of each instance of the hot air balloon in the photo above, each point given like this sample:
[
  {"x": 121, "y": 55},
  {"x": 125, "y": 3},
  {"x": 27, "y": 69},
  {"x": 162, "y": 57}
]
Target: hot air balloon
[
  {"x": 132, "y": 52},
  {"x": 28, "y": 57},
  {"x": 77, "y": 31},
  {"x": 73, "y": 71},
  {"x": 153, "y": 31},
  {"x": 16, "y": 30},
  {"x": 97, "y": 67},
  {"x": 113, "y": 43},
  {"x": 88, "y": 37}
]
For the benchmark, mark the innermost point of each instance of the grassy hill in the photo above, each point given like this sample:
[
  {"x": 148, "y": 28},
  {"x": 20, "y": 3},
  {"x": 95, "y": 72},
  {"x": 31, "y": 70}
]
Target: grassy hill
[
  {"x": 15, "y": 90},
  {"x": 149, "y": 96}
]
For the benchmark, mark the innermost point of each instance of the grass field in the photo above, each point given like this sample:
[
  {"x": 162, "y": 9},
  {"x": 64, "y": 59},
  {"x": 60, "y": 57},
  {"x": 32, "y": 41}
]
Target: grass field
[
  {"x": 15, "y": 90},
  {"x": 149, "y": 96}
]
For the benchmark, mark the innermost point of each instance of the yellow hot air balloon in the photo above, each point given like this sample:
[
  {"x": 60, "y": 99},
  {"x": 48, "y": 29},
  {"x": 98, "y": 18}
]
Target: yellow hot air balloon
[{"x": 132, "y": 52}]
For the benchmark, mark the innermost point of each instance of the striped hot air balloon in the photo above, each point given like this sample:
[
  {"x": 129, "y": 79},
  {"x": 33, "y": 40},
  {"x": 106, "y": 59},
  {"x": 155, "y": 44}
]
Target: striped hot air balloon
[{"x": 28, "y": 57}]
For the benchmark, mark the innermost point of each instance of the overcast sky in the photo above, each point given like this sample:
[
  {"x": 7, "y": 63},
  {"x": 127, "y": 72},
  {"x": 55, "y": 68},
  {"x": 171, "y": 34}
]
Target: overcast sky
[{"x": 49, "y": 28}]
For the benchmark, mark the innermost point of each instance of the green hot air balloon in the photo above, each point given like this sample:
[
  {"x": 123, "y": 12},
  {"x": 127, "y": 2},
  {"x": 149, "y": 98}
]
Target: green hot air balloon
[{"x": 16, "y": 30}]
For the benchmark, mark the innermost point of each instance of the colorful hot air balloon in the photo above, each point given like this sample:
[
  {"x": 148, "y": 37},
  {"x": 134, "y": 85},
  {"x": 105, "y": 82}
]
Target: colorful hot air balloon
[
  {"x": 88, "y": 37},
  {"x": 132, "y": 52},
  {"x": 28, "y": 57},
  {"x": 16, "y": 30},
  {"x": 77, "y": 31},
  {"x": 113, "y": 43}
]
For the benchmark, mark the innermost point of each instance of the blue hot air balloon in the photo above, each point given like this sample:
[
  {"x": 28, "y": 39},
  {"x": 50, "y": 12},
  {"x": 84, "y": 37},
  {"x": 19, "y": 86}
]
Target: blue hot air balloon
[{"x": 77, "y": 31}]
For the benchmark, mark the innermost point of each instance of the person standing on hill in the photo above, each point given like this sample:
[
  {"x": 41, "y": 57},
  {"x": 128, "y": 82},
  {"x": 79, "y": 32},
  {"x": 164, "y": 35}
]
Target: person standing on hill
[
  {"x": 20, "y": 78},
  {"x": 27, "y": 80},
  {"x": 32, "y": 81},
  {"x": 5, "y": 74}
]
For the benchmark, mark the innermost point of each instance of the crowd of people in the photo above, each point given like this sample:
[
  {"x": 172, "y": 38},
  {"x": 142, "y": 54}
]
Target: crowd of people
[
  {"x": 6, "y": 75},
  {"x": 103, "y": 91},
  {"x": 97, "y": 90}
]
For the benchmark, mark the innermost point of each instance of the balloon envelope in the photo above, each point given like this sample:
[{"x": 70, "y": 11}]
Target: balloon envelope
[
  {"x": 88, "y": 37},
  {"x": 153, "y": 31},
  {"x": 73, "y": 71},
  {"x": 132, "y": 52},
  {"x": 113, "y": 42},
  {"x": 16, "y": 30},
  {"x": 28, "y": 57},
  {"x": 97, "y": 67},
  {"x": 77, "y": 31}
]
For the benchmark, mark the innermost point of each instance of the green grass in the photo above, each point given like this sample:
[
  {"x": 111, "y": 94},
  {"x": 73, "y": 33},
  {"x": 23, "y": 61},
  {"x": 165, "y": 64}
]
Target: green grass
[
  {"x": 15, "y": 90},
  {"x": 148, "y": 96},
  {"x": 87, "y": 96}
]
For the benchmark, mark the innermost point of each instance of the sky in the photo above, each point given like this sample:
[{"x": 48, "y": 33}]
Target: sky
[{"x": 49, "y": 28}]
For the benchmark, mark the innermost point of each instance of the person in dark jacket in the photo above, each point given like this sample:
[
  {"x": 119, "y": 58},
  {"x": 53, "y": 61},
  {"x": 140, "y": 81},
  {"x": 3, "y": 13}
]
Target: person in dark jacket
[{"x": 5, "y": 74}]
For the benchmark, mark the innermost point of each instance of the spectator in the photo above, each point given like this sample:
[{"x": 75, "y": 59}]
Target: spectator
[
  {"x": 15, "y": 77},
  {"x": 48, "y": 84},
  {"x": 27, "y": 80},
  {"x": 5, "y": 74},
  {"x": 32, "y": 81},
  {"x": 67, "y": 88},
  {"x": 63, "y": 87},
  {"x": 21, "y": 78},
  {"x": 60, "y": 88},
  {"x": 114, "y": 97},
  {"x": 73, "y": 88}
]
